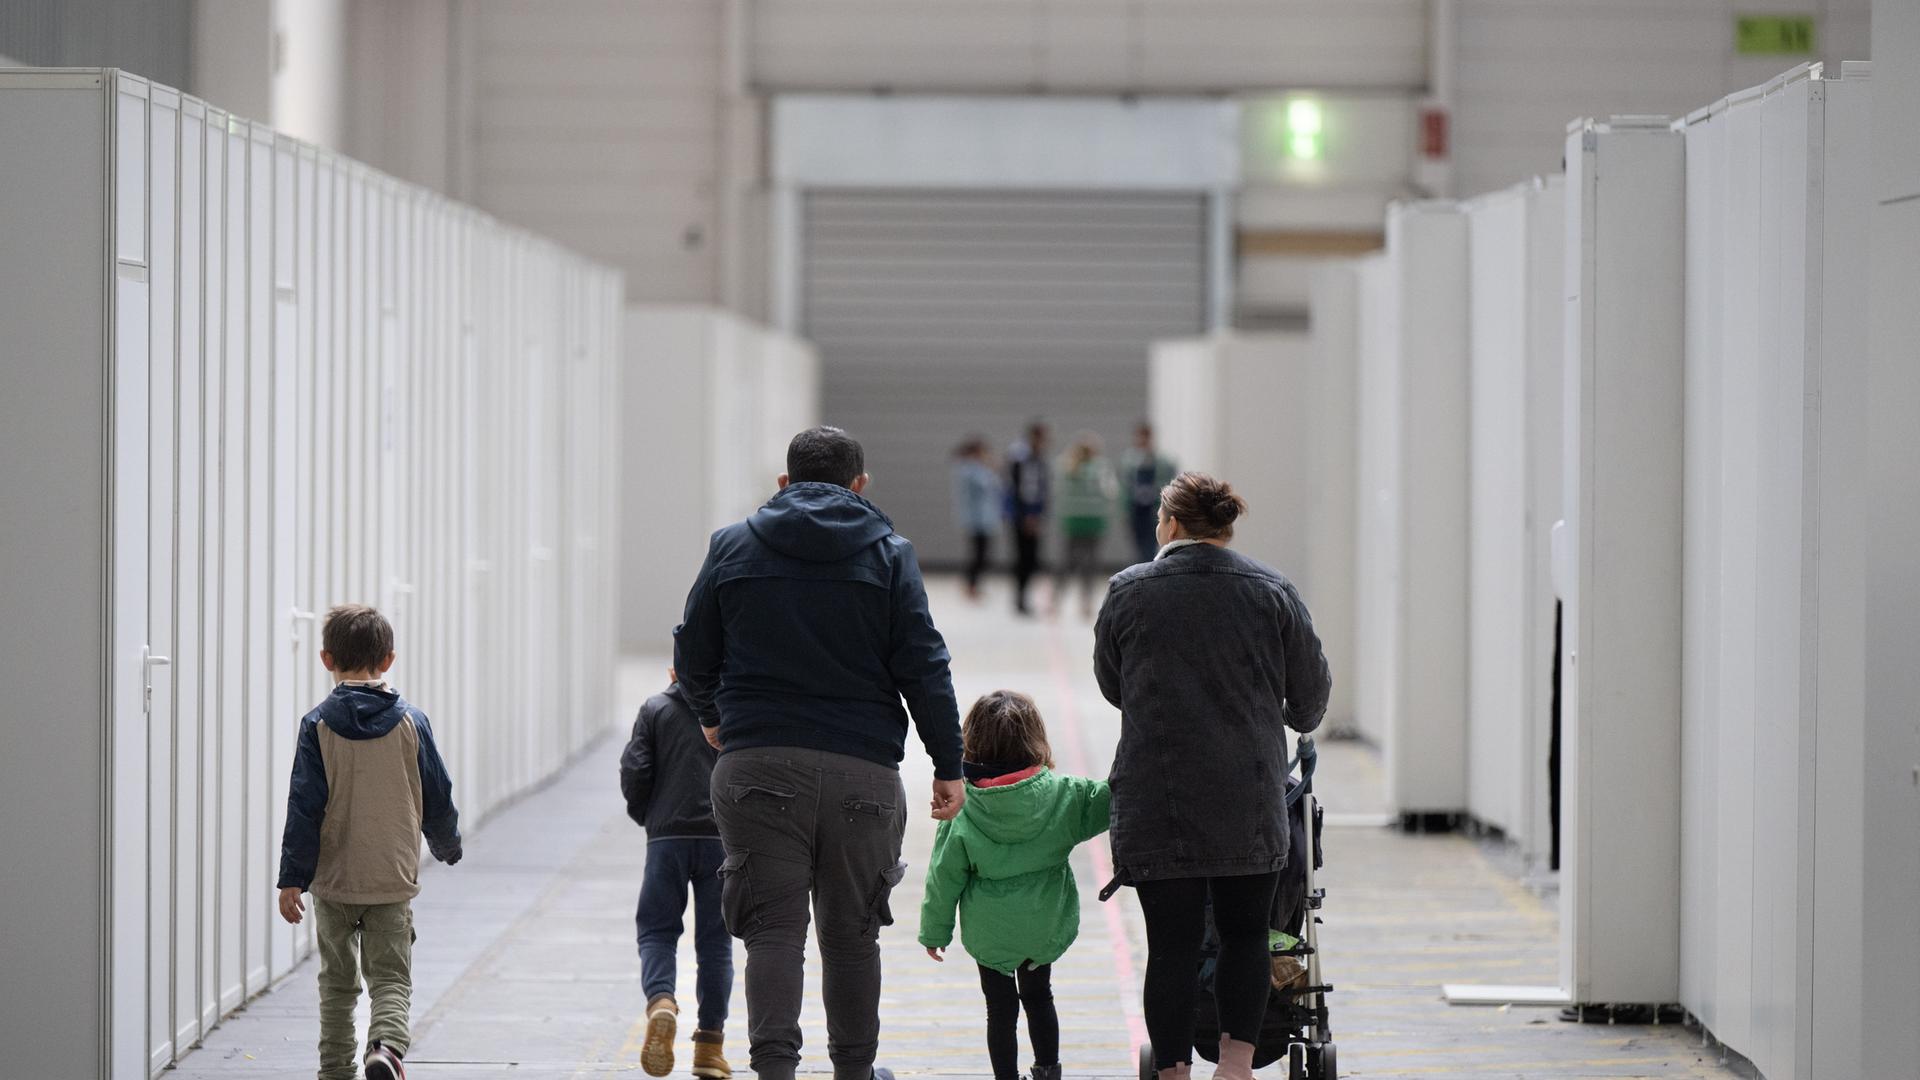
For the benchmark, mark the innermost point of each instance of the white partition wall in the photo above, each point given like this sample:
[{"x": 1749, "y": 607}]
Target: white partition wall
[
  {"x": 711, "y": 402},
  {"x": 1891, "y": 974},
  {"x": 1375, "y": 469},
  {"x": 1239, "y": 406},
  {"x": 1331, "y": 468},
  {"x": 247, "y": 380},
  {"x": 1620, "y": 689},
  {"x": 1515, "y": 239},
  {"x": 1772, "y": 749},
  {"x": 1412, "y": 524}
]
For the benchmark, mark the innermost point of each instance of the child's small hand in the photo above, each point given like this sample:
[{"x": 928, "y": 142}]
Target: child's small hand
[
  {"x": 290, "y": 905},
  {"x": 935, "y": 953}
]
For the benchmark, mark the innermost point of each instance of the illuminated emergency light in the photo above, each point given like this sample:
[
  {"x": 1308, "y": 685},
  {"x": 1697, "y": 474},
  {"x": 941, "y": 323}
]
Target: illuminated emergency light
[{"x": 1304, "y": 124}]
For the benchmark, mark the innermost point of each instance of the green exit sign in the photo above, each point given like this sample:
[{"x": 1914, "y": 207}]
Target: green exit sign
[{"x": 1773, "y": 35}]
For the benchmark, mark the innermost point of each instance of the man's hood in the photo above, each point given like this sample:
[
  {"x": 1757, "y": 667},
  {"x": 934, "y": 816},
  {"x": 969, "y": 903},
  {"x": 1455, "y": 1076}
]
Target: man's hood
[
  {"x": 819, "y": 522},
  {"x": 361, "y": 712}
]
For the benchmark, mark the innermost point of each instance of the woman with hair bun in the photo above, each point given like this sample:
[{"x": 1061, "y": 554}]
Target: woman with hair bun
[{"x": 1209, "y": 656}]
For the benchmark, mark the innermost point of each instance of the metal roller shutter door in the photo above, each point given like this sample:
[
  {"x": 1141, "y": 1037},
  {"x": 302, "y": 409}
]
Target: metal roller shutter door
[{"x": 939, "y": 314}]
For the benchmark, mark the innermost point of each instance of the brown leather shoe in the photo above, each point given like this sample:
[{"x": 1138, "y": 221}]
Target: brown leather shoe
[
  {"x": 663, "y": 1019},
  {"x": 708, "y": 1060}
]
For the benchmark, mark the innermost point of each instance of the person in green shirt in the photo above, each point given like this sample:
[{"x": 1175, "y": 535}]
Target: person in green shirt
[
  {"x": 1003, "y": 863},
  {"x": 1087, "y": 494}
]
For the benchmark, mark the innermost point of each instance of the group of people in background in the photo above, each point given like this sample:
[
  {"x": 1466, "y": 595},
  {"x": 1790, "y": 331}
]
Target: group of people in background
[{"x": 1081, "y": 490}]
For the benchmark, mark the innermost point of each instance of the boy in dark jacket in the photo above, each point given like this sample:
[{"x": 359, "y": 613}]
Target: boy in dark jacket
[
  {"x": 367, "y": 782},
  {"x": 665, "y": 774}
]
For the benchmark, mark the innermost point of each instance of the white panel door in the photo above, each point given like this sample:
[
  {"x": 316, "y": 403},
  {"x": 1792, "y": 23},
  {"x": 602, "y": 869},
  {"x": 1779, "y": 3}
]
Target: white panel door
[
  {"x": 236, "y": 885},
  {"x": 1740, "y": 843},
  {"x": 262, "y": 846},
  {"x": 1700, "y": 642},
  {"x": 352, "y": 403},
  {"x": 281, "y": 717},
  {"x": 162, "y": 457},
  {"x": 213, "y": 774},
  {"x": 128, "y": 663},
  {"x": 188, "y": 655}
]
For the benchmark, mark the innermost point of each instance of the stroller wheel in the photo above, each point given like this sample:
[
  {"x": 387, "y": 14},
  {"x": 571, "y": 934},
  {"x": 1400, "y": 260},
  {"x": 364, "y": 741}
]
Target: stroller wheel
[
  {"x": 1297, "y": 1062},
  {"x": 1147, "y": 1070},
  {"x": 1326, "y": 1067}
]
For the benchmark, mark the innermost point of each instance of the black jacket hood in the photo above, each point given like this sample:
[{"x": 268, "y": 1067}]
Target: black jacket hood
[
  {"x": 361, "y": 712},
  {"x": 819, "y": 522}
]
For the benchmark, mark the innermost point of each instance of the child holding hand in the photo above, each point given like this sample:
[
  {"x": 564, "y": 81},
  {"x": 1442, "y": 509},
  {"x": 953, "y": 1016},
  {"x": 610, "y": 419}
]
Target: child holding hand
[{"x": 1003, "y": 863}]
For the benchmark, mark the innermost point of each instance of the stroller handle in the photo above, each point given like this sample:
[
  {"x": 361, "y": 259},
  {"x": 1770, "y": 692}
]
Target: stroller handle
[{"x": 1305, "y": 756}]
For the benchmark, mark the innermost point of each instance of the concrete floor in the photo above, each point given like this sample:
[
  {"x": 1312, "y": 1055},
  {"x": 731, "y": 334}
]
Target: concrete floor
[{"x": 525, "y": 964}]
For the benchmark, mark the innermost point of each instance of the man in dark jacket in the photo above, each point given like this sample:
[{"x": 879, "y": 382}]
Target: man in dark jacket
[
  {"x": 807, "y": 626},
  {"x": 665, "y": 773}
]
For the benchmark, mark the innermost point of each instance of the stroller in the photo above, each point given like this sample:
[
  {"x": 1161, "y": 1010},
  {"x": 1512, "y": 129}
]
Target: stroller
[{"x": 1295, "y": 1026}]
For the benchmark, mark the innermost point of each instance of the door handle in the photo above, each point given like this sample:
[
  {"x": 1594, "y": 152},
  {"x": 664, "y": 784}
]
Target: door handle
[{"x": 148, "y": 661}]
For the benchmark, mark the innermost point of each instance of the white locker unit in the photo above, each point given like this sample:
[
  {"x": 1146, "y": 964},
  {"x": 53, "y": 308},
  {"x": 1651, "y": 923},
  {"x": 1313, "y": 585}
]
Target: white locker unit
[
  {"x": 1412, "y": 553},
  {"x": 1515, "y": 239},
  {"x": 1331, "y": 463},
  {"x": 711, "y": 402},
  {"x": 1620, "y": 688},
  {"x": 1772, "y": 718},
  {"x": 1239, "y": 406},
  {"x": 249, "y": 380}
]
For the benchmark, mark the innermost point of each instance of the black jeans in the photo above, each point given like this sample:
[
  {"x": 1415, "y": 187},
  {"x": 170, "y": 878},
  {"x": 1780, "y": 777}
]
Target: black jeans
[
  {"x": 1176, "y": 917},
  {"x": 799, "y": 825},
  {"x": 1031, "y": 987},
  {"x": 978, "y": 545},
  {"x": 674, "y": 863},
  {"x": 1026, "y": 560}
]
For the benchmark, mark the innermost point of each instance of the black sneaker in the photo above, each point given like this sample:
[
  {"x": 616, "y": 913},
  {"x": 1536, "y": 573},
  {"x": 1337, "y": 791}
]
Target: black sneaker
[{"x": 383, "y": 1064}]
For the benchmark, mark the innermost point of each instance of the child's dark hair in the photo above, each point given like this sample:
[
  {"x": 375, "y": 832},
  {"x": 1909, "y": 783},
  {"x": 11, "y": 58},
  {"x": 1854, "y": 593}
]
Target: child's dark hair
[
  {"x": 1004, "y": 728},
  {"x": 357, "y": 637}
]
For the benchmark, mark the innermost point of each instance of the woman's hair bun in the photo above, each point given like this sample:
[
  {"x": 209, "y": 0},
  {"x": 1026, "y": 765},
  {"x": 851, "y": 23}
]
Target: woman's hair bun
[
  {"x": 1223, "y": 505},
  {"x": 1205, "y": 506}
]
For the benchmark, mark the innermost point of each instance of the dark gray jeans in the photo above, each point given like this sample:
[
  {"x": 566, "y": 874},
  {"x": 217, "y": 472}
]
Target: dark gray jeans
[{"x": 799, "y": 824}]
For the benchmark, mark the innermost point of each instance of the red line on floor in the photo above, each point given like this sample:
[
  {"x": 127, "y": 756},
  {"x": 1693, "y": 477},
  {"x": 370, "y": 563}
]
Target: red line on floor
[{"x": 1076, "y": 755}]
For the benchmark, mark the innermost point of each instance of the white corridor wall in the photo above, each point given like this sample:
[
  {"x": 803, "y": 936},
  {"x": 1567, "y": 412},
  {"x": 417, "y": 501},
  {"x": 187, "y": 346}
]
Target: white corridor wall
[
  {"x": 247, "y": 380},
  {"x": 1238, "y": 406},
  {"x": 1621, "y": 489},
  {"x": 1772, "y": 720},
  {"x": 1515, "y": 308},
  {"x": 1411, "y": 560},
  {"x": 1254, "y": 409},
  {"x": 711, "y": 402}
]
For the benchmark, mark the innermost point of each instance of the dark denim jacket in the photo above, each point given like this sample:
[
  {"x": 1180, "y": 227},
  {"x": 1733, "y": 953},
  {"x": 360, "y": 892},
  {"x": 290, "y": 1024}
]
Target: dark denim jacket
[{"x": 1209, "y": 655}]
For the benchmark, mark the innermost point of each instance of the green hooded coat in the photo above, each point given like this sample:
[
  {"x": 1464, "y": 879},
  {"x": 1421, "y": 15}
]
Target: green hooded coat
[{"x": 1003, "y": 861}]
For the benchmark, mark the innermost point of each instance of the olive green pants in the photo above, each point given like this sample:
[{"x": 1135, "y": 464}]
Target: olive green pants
[{"x": 374, "y": 940}]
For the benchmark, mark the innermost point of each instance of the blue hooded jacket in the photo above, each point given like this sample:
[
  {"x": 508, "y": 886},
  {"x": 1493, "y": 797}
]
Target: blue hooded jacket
[
  {"x": 355, "y": 711},
  {"x": 808, "y": 625}
]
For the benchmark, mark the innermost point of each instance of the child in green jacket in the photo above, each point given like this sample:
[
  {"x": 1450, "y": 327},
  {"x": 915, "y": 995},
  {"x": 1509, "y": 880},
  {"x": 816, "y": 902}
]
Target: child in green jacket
[{"x": 1003, "y": 861}]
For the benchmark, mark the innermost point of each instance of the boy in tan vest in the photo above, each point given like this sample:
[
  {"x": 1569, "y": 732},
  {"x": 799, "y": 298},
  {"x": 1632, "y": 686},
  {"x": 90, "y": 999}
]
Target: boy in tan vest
[{"x": 367, "y": 782}]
